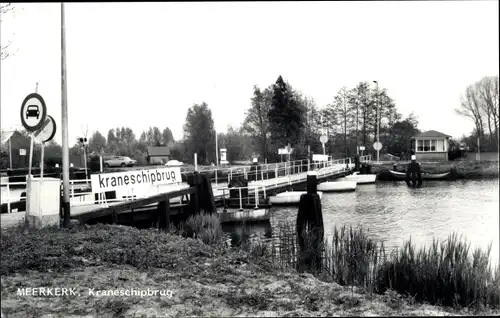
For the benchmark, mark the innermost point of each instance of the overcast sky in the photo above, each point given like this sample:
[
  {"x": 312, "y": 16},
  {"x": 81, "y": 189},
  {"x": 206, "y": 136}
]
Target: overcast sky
[{"x": 145, "y": 64}]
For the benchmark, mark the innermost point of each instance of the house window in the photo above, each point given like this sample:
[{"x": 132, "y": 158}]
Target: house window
[
  {"x": 420, "y": 145},
  {"x": 430, "y": 145},
  {"x": 427, "y": 145},
  {"x": 440, "y": 145},
  {"x": 433, "y": 145}
]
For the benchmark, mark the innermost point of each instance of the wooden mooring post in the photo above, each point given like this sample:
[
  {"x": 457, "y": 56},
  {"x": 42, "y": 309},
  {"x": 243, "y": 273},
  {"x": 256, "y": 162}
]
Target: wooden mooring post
[
  {"x": 164, "y": 214},
  {"x": 309, "y": 227}
]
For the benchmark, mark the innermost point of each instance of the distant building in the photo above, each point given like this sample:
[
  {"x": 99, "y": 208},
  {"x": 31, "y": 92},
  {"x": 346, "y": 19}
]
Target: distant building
[
  {"x": 158, "y": 155},
  {"x": 431, "y": 145}
]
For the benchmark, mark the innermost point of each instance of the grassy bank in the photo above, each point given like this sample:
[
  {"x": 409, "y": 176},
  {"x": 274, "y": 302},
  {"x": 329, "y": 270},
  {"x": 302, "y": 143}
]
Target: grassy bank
[
  {"x": 207, "y": 277},
  {"x": 465, "y": 169}
]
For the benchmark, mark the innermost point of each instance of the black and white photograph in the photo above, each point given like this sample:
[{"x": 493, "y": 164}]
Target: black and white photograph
[{"x": 249, "y": 159}]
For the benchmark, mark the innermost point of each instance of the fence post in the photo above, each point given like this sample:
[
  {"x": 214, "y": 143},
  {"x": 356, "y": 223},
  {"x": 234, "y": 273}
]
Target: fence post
[
  {"x": 241, "y": 200},
  {"x": 256, "y": 191},
  {"x": 8, "y": 196}
]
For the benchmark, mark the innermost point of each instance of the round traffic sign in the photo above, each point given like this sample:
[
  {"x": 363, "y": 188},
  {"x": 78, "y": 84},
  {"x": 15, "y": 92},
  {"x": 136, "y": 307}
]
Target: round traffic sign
[
  {"x": 47, "y": 131},
  {"x": 33, "y": 112},
  {"x": 323, "y": 139},
  {"x": 377, "y": 146}
]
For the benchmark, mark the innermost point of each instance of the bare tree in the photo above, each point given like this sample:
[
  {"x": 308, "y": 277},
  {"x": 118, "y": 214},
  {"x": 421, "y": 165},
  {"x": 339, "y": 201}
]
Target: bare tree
[
  {"x": 4, "y": 48},
  {"x": 342, "y": 108},
  {"x": 470, "y": 108},
  {"x": 256, "y": 122},
  {"x": 487, "y": 89}
]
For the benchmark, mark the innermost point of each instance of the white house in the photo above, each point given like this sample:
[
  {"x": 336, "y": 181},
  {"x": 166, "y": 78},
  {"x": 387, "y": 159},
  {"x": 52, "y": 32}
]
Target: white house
[{"x": 431, "y": 145}]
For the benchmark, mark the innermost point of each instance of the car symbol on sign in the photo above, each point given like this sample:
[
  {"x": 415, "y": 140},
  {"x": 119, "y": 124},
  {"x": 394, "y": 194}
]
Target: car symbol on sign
[{"x": 32, "y": 111}]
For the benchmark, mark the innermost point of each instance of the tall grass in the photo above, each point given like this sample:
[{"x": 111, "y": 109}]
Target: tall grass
[
  {"x": 205, "y": 227},
  {"x": 446, "y": 273}
]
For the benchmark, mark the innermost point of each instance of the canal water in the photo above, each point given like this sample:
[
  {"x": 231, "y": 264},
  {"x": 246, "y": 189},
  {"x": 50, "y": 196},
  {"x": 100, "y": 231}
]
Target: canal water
[{"x": 392, "y": 212}]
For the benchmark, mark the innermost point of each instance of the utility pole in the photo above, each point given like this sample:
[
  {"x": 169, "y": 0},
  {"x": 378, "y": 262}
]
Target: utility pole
[
  {"x": 378, "y": 123},
  {"x": 64, "y": 128},
  {"x": 216, "y": 149}
]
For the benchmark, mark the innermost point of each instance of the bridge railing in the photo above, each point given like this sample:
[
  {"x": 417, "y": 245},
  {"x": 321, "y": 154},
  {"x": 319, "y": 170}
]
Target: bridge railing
[
  {"x": 270, "y": 171},
  {"x": 256, "y": 189},
  {"x": 365, "y": 158},
  {"x": 283, "y": 172}
]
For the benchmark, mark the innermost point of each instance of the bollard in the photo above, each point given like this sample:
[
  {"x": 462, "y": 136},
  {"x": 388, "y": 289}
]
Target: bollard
[
  {"x": 414, "y": 173},
  {"x": 310, "y": 228}
]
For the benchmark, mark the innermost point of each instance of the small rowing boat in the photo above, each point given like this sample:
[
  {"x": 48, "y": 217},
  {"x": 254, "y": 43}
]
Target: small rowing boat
[
  {"x": 337, "y": 186},
  {"x": 425, "y": 176},
  {"x": 361, "y": 178}
]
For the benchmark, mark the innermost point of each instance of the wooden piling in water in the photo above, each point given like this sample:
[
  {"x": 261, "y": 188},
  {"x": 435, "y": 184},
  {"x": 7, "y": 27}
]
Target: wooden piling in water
[
  {"x": 309, "y": 227},
  {"x": 164, "y": 214}
]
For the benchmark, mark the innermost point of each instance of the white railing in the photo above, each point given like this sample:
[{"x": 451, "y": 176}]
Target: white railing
[
  {"x": 366, "y": 158},
  {"x": 276, "y": 169},
  {"x": 256, "y": 189},
  {"x": 284, "y": 173}
]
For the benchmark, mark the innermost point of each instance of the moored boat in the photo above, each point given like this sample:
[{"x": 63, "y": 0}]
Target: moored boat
[
  {"x": 288, "y": 198},
  {"x": 337, "y": 186},
  {"x": 425, "y": 176},
  {"x": 361, "y": 178}
]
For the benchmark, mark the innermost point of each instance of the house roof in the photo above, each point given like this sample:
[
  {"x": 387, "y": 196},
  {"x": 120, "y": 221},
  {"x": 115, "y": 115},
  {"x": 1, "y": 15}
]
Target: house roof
[
  {"x": 430, "y": 133},
  {"x": 158, "y": 151}
]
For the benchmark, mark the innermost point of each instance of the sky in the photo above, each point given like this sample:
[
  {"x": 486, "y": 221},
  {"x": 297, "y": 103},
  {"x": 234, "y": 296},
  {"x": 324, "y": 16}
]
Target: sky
[{"x": 144, "y": 64}]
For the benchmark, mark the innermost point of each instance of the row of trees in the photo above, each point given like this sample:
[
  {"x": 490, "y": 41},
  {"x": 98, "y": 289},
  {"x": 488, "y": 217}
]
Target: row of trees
[
  {"x": 278, "y": 115},
  {"x": 480, "y": 104}
]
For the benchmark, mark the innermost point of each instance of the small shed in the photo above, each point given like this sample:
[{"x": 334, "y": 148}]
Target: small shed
[
  {"x": 431, "y": 145},
  {"x": 158, "y": 155}
]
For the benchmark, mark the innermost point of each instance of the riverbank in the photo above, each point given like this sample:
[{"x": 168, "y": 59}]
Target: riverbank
[
  {"x": 202, "y": 279},
  {"x": 462, "y": 169}
]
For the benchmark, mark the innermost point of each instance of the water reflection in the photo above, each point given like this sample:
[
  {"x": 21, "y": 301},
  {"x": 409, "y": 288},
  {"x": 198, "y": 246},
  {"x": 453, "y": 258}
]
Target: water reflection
[{"x": 392, "y": 212}]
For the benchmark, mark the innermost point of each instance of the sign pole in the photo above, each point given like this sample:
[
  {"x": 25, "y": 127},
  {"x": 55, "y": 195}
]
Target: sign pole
[
  {"x": 31, "y": 154},
  {"x": 85, "y": 162},
  {"x": 10, "y": 153},
  {"x": 64, "y": 116},
  {"x": 100, "y": 163},
  {"x": 216, "y": 150},
  {"x": 42, "y": 159},
  {"x": 195, "y": 161}
]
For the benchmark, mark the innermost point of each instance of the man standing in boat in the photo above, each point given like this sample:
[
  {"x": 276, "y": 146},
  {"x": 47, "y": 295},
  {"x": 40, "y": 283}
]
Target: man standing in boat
[{"x": 414, "y": 173}]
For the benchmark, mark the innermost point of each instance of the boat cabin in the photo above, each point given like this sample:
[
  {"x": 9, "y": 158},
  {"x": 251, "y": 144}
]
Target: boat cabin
[{"x": 431, "y": 146}]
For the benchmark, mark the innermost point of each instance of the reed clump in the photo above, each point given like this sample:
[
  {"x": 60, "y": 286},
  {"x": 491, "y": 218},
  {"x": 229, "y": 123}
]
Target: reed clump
[
  {"x": 445, "y": 274},
  {"x": 205, "y": 227}
]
